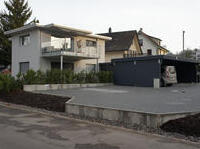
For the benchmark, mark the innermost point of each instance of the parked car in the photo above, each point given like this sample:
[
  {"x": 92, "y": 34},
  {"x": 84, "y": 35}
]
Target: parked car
[{"x": 169, "y": 76}]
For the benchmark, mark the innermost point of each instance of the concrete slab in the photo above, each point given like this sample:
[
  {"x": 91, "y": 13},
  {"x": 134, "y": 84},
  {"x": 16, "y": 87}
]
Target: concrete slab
[{"x": 181, "y": 98}]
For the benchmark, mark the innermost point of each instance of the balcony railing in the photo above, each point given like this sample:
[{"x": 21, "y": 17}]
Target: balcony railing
[{"x": 57, "y": 48}]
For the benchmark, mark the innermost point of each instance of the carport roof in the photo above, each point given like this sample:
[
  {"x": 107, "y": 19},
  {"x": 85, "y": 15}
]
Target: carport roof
[{"x": 161, "y": 57}]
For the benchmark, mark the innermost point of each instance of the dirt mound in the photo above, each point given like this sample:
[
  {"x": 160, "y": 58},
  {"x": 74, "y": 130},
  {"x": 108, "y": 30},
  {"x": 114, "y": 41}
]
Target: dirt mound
[
  {"x": 48, "y": 102},
  {"x": 188, "y": 126}
]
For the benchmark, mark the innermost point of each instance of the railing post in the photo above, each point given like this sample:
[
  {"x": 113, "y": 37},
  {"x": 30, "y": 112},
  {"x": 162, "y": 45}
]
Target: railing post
[{"x": 61, "y": 62}]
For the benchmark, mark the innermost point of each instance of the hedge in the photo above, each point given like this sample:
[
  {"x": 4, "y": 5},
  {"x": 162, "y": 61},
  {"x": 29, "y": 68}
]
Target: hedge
[{"x": 9, "y": 83}]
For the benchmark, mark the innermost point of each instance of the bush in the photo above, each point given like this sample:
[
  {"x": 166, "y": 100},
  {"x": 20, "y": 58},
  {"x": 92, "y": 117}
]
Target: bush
[
  {"x": 54, "y": 76},
  {"x": 40, "y": 77},
  {"x": 68, "y": 76},
  {"x": 79, "y": 77},
  {"x": 30, "y": 77},
  {"x": 105, "y": 77},
  {"x": 8, "y": 83},
  {"x": 91, "y": 77},
  {"x": 57, "y": 76}
]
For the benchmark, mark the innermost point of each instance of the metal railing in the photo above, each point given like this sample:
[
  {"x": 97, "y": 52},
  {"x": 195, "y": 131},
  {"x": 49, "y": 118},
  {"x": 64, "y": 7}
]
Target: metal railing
[{"x": 56, "y": 48}]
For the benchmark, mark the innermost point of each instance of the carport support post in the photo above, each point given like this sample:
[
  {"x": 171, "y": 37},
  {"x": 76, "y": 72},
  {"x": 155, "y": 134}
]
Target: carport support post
[{"x": 61, "y": 62}]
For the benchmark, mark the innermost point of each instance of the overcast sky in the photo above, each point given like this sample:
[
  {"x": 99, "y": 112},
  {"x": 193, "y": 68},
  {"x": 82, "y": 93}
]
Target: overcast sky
[{"x": 163, "y": 19}]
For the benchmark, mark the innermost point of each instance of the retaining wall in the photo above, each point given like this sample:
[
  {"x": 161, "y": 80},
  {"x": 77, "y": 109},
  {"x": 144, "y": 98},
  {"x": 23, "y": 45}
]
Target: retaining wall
[
  {"x": 121, "y": 117},
  {"x": 38, "y": 87}
]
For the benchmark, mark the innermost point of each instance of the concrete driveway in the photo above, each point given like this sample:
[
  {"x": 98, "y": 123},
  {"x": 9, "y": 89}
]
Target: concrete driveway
[
  {"x": 175, "y": 99},
  {"x": 20, "y": 129}
]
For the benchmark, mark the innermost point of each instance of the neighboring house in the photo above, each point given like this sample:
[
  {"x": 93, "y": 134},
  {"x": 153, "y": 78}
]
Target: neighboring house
[
  {"x": 45, "y": 47},
  {"x": 122, "y": 43},
  {"x": 196, "y": 54},
  {"x": 151, "y": 45}
]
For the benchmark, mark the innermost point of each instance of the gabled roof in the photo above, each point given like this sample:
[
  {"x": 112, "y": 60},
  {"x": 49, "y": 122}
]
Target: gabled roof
[
  {"x": 121, "y": 41},
  {"x": 151, "y": 39}
]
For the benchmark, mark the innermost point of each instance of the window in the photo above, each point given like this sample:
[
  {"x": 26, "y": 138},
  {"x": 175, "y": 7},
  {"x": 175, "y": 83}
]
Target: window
[
  {"x": 24, "y": 67},
  {"x": 149, "y": 52},
  {"x": 90, "y": 67},
  {"x": 91, "y": 43},
  {"x": 25, "y": 40},
  {"x": 141, "y": 42}
]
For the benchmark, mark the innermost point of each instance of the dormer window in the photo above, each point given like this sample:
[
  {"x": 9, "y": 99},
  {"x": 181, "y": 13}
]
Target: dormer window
[{"x": 25, "y": 40}]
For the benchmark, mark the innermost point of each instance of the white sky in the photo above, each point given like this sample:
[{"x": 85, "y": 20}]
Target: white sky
[{"x": 161, "y": 18}]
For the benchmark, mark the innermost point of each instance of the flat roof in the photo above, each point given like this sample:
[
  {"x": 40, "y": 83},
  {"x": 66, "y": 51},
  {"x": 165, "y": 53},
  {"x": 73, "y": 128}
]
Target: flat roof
[
  {"x": 55, "y": 30},
  {"x": 164, "y": 57}
]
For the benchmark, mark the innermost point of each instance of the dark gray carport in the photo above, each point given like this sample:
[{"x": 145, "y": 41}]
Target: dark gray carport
[{"x": 141, "y": 71}]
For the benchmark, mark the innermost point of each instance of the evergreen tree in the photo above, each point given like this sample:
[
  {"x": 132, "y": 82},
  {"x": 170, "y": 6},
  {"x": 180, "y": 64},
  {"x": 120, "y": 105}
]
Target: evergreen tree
[{"x": 17, "y": 13}]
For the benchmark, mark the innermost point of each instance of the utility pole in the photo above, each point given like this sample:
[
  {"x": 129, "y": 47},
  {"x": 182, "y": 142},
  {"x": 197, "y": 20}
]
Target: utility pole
[{"x": 183, "y": 40}]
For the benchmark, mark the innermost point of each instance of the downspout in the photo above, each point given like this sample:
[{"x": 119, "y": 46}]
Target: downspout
[{"x": 97, "y": 51}]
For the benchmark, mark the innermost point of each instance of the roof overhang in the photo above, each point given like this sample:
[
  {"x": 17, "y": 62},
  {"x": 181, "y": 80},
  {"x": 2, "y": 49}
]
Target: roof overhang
[
  {"x": 22, "y": 29},
  {"x": 157, "y": 57},
  {"x": 56, "y": 31}
]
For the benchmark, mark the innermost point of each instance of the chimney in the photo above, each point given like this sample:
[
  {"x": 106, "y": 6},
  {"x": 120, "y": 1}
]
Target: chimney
[{"x": 110, "y": 30}]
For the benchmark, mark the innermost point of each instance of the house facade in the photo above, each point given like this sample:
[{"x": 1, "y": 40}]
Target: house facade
[
  {"x": 45, "y": 47},
  {"x": 151, "y": 45},
  {"x": 122, "y": 44}
]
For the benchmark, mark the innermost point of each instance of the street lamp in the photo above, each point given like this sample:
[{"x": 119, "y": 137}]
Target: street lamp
[{"x": 183, "y": 40}]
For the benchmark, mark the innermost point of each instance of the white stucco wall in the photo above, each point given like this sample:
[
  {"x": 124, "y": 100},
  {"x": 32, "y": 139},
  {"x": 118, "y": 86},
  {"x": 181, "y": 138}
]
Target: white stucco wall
[
  {"x": 29, "y": 53},
  {"x": 147, "y": 44},
  {"x": 32, "y": 53},
  {"x": 81, "y": 64}
]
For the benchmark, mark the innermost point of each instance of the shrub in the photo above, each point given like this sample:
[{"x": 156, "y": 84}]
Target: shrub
[
  {"x": 57, "y": 76},
  {"x": 79, "y": 77},
  {"x": 54, "y": 76},
  {"x": 8, "y": 83},
  {"x": 40, "y": 77},
  {"x": 91, "y": 77},
  {"x": 68, "y": 76},
  {"x": 105, "y": 77},
  {"x": 30, "y": 77}
]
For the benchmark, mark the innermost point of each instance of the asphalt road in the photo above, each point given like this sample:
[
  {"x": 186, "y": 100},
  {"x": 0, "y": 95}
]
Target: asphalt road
[
  {"x": 174, "y": 99},
  {"x": 27, "y": 130}
]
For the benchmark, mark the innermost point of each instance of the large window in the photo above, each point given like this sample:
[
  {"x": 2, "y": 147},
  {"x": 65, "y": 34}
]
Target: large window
[
  {"x": 25, "y": 40},
  {"x": 23, "y": 67},
  {"x": 90, "y": 67},
  {"x": 91, "y": 43}
]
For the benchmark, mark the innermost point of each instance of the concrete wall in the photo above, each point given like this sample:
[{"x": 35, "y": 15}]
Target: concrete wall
[
  {"x": 117, "y": 117},
  {"x": 44, "y": 87},
  {"x": 29, "y": 53},
  {"x": 147, "y": 44}
]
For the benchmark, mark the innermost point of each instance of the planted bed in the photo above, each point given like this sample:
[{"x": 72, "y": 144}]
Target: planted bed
[{"x": 47, "y": 102}]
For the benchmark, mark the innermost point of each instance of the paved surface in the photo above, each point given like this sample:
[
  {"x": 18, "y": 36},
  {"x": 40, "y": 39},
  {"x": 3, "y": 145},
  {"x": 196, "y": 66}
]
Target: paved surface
[
  {"x": 27, "y": 130},
  {"x": 174, "y": 99}
]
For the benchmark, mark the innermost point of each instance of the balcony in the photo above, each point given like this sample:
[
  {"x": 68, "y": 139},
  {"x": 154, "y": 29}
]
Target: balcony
[{"x": 66, "y": 47}]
